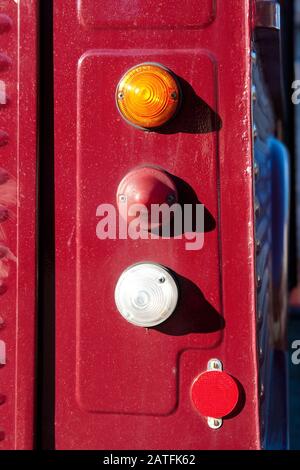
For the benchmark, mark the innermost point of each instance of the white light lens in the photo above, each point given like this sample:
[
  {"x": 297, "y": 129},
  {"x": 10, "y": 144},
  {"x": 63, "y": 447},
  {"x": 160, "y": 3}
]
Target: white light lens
[{"x": 146, "y": 294}]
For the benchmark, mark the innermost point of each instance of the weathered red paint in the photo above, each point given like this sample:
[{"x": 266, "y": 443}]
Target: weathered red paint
[
  {"x": 18, "y": 21},
  {"x": 120, "y": 386}
]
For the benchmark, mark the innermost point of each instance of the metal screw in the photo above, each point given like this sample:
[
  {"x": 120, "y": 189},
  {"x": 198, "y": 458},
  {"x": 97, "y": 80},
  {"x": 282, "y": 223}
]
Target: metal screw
[
  {"x": 121, "y": 95},
  {"x": 174, "y": 95},
  {"x": 214, "y": 423},
  {"x": 253, "y": 57},
  {"x": 171, "y": 198},
  {"x": 161, "y": 280},
  {"x": 122, "y": 198},
  {"x": 214, "y": 364}
]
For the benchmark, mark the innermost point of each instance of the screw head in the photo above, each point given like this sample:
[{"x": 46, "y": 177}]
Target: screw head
[
  {"x": 214, "y": 364},
  {"x": 171, "y": 198},
  {"x": 122, "y": 198},
  {"x": 214, "y": 423}
]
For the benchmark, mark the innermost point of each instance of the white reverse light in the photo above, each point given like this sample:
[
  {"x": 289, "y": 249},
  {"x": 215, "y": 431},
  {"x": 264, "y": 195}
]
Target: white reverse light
[{"x": 146, "y": 294}]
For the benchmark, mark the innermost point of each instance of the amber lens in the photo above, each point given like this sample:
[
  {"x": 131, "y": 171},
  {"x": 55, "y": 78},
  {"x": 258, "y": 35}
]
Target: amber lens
[{"x": 148, "y": 96}]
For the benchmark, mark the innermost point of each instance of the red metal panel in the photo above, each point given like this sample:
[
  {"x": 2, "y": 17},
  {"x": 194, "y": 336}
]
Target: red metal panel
[
  {"x": 135, "y": 14},
  {"x": 17, "y": 227},
  {"x": 121, "y": 386},
  {"x": 96, "y": 315}
]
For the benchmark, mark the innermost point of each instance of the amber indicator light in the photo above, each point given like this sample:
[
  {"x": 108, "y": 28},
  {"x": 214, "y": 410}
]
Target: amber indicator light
[{"x": 148, "y": 95}]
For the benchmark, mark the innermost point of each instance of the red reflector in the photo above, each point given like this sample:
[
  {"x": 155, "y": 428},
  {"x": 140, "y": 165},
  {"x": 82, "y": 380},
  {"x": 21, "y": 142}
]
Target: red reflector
[{"x": 215, "y": 394}]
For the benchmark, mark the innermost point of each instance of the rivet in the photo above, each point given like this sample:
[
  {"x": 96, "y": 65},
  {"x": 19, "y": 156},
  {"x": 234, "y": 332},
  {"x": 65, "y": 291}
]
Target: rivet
[
  {"x": 3, "y": 138},
  {"x": 3, "y": 251},
  {"x": 4, "y": 214},
  {"x": 5, "y": 23},
  {"x": 3, "y": 289},
  {"x": 4, "y": 176},
  {"x": 5, "y": 62}
]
